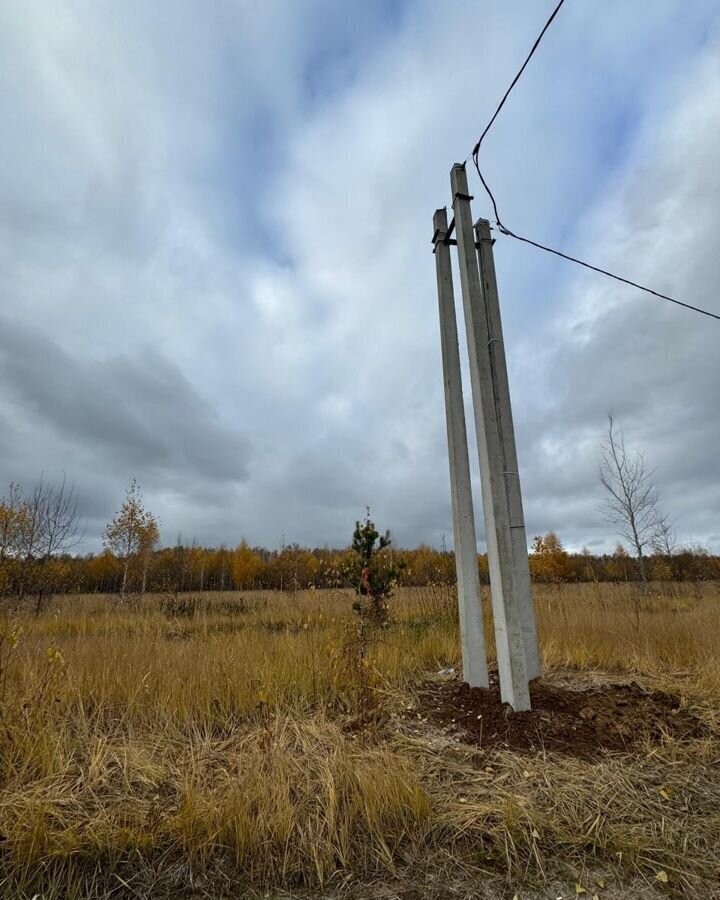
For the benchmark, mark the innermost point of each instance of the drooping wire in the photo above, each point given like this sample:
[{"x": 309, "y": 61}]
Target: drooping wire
[
  {"x": 476, "y": 148},
  {"x": 620, "y": 278},
  {"x": 506, "y": 231}
]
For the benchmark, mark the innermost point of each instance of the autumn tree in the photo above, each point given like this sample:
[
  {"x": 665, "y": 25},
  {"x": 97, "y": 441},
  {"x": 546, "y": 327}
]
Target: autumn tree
[
  {"x": 616, "y": 568},
  {"x": 588, "y": 569},
  {"x": 630, "y": 501},
  {"x": 247, "y": 565},
  {"x": 219, "y": 569},
  {"x": 290, "y": 561},
  {"x": 172, "y": 569},
  {"x": 549, "y": 561},
  {"x": 132, "y": 536},
  {"x": 103, "y": 571}
]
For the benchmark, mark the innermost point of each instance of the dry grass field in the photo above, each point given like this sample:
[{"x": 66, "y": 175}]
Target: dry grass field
[{"x": 223, "y": 745}]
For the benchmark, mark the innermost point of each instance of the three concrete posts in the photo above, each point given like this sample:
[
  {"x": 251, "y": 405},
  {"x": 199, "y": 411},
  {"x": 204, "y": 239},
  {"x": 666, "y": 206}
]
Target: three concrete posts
[{"x": 513, "y": 611}]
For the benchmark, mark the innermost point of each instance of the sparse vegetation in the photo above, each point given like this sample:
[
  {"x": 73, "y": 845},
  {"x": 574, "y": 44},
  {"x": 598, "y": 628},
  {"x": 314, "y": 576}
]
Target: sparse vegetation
[
  {"x": 214, "y": 748},
  {"x": 372, "y": 570}
]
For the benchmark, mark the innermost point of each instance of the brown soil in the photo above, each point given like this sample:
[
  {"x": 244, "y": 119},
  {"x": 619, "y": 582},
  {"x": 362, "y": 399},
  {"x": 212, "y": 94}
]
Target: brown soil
[{"x": 580, "y": 723}]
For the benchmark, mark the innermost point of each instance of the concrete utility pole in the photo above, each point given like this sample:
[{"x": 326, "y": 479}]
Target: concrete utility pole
[
  {"x": 521, "y": 565},
  {"x": 472, "y": 631},
  {"x": 511, "y": 599}
]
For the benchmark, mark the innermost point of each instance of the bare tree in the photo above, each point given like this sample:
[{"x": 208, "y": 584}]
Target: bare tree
[
  {"x": 50, "y": 523},
  {"x": 664, "y": 541},
  {"x": 60, "y": 526},
  {"x": 34, "y": 528},
  {"x": 631, "y": 500}
]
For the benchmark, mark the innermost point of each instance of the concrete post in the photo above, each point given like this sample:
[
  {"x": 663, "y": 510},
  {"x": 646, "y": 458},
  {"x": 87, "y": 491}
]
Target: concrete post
[
  {"x": 514, "y": 688},
  {"x": 472, "y": 631},
  {"x": 521, "y": 566}
]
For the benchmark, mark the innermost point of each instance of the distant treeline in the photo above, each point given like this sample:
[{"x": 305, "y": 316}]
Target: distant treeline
[
  {"x": 40, "y": 527},
  {"x": 193, "y": 568}
]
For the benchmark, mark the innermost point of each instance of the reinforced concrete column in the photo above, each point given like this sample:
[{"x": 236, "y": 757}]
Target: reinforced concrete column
[
  {"x": 472, "y": 631},
  {"x": 507, "y": 606},
  {"x": 503, "y": 407}
]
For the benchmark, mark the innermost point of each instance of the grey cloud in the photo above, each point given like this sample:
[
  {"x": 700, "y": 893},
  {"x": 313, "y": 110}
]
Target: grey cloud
[
  {"x": 653, "y": 365},
  {"x": 132, "y": 413},
  {"x": 570, "y": 378},
  {"x": 216, "y": 271}
]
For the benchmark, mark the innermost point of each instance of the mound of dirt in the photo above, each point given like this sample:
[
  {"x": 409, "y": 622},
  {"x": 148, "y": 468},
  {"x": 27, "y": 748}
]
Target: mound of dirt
[{"x": 580, "y": 723}]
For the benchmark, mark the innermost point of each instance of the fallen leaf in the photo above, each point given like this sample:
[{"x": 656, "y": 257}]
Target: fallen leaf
[
  {"x": 535, "y": 833},
  {"x": 527, "y": 774},
  {"x": 662, "y": 875},
  {"x": 579, "y": 889},
  {"x": 601, "y": 882},
  {"x": 664, "y": 794}
]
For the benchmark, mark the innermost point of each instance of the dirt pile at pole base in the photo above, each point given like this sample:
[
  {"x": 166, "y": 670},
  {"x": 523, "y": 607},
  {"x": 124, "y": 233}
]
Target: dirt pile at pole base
[{"x": 578, "y": 722}]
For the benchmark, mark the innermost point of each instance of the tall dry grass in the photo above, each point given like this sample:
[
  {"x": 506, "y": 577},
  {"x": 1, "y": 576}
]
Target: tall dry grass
[{"x": 232, "y": 740}]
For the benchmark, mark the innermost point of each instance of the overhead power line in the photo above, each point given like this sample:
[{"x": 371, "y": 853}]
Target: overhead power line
[
  {"x": 476, "y": 148},
  {"x": 505, "y": 230},
  {"x": 620, "y": 278}
]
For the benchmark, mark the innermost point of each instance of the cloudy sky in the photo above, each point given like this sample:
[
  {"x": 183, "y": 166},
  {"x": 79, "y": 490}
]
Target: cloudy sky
[{"x": 216, "y": 273}]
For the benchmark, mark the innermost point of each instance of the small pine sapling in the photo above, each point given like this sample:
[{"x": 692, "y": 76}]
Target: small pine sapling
[{"x": 374, "y": 572}]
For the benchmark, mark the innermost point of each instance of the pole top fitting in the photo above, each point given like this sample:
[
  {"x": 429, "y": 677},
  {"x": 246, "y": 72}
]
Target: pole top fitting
[
  {"x": 483, "y": 232},
  {"x": 459, "y": 195},
  {"x": 458, "y": 179},
  {"x": 438, "y": 237}
]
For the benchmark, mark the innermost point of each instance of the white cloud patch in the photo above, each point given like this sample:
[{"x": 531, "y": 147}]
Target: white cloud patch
[{"x": 215, "y": 261}]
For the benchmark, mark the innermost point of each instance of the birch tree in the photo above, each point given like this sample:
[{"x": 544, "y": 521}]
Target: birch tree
[
  {"x": 630, "y": 501},
  {"x": 132, "y": 535}
]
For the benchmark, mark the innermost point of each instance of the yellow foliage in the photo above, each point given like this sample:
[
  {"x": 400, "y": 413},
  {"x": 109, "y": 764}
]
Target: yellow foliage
[
  {"x": 549, "y": 561},
  {"x": 246, "y": 566}
]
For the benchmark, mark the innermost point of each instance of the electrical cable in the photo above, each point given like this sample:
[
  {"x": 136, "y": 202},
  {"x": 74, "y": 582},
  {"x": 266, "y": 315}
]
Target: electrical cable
[{"x": 506, "y": 231}]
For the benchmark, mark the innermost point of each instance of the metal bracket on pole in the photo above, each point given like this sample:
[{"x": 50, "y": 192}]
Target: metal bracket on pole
[{"x": 444, "y": 237}]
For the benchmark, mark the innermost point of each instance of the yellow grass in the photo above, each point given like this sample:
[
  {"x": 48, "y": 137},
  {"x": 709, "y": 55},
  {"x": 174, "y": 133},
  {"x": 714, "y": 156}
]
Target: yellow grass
[{"x": 245, "y": 746}]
